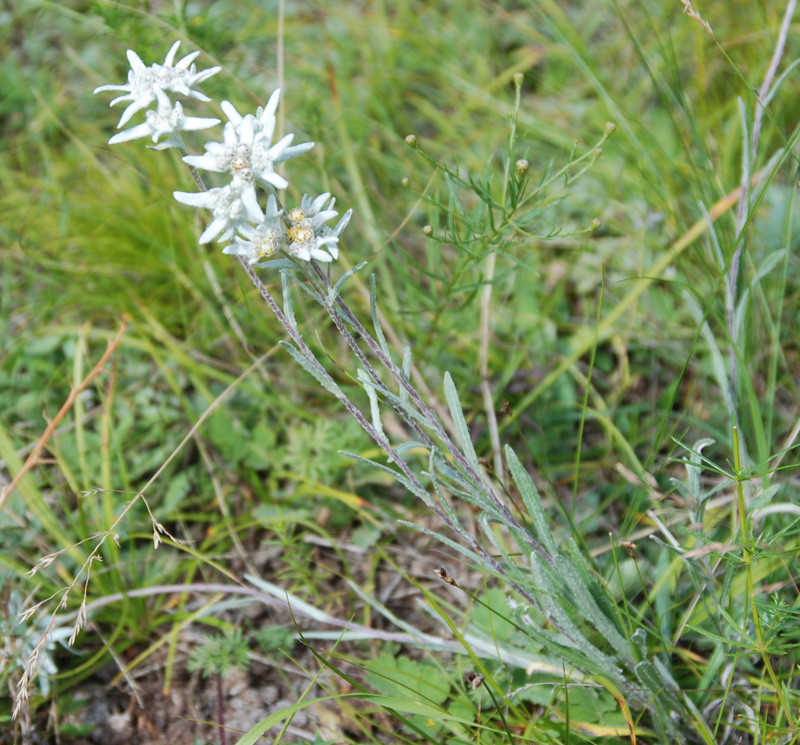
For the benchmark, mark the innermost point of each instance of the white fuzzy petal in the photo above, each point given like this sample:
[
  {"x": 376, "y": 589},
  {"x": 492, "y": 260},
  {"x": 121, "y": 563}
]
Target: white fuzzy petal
[
  {"x": 294, "y": 151},
  {"x": 197, "y": 122},
  {"x": 213, "y": 230},
  {"x": 195, "y": 199},
  {"x": 171, "y": 54},
  {"x": 203, "y": 162},
  {"x": 279, "y": 182},
  {"x": 187, "y": 60},
  {"x": 250, "y": 203},
  {"x": 135, "y": 61},
  {"x": 231, "y": 112},
  {"x": 134, "y": 133}
]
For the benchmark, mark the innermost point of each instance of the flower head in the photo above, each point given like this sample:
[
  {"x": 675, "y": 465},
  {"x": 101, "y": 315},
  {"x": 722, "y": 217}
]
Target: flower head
[
  {"x": 260, "y": 241},
  {"x": 167, "y": 119},
  {"x": 144, "y": 82},
  {"x": 309, "y": 237},
  {"x": 229, "y": 211},
  {"x": 246, "y": 152}
]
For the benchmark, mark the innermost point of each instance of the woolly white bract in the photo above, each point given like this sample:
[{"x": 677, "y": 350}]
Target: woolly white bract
[
  {"x": 167, "y": 119},
  {"x": 247, "y": 154},
  {"x": 144, "y": 82}
]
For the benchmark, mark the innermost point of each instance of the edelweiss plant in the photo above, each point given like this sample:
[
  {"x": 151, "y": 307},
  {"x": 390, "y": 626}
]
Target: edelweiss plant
[{"x": 565, "y": 613}]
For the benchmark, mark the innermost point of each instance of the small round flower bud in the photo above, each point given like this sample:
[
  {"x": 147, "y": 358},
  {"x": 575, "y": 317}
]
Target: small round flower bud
[
  {"x": 610, "y": 128},
  {"x": 598, "y": 151},
  {"x": 518, "y": 77},
  {"x": 428, "y": 230},
  {"x": 406, "y": 181},
  {"x": 411, "y": 140},
  {"x": 521, "y": 167},
  {"x": 596, "y": 223}
]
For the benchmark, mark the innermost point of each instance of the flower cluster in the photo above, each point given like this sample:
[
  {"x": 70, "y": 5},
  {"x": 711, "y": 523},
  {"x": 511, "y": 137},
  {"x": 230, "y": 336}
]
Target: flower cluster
[
  {"x": 157, "y": 84},
  {"x": 246, "y": 156}
]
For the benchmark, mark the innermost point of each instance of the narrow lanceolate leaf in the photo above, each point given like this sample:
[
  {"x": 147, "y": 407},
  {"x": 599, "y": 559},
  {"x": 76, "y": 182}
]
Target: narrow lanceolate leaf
[
  {"x": 511, "y": 568},
  {"x": 337, "y": 288},
  {"x": 551, "y": 604},
  {"x": 405, "y": 370},
  {"x": 599, "y": 592},
  {"x": 457, "y": 413},
  {"x": 650, "y": 678},
  {"x": 373, "y": 305},
  {"x": 445, "y": 540},
  {"x": 368, "y": 386},
  {"x": 591, "y": 611},
  {"x": 325, "y": 380},
  {"x": 405, "y": 447},
  {"x": 531, "y": 500},
  {"x": 288, "y": 310},
  {"x": 399, "y": 477}
]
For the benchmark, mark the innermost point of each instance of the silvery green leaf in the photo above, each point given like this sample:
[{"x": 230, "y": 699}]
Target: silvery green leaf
[
  {"x": 405, "y": 370},
  {"x": 401, "y": 478},
  {"x": 693, "y": 472},
  {"x": 337, "y": 288},
  {"x": 640, "y": 639},
  {"x": 550, "y": 602},
  {"x": 670, "y": 686},
  {"x": 590, "y": 579},
  {"x": 405, "y": 447},
  {"x": 530, "y": 498},
  {"x": 405, "y": 407},
  {"x": 276, "y": 264},
  {"x": 305, "y": 288},
  {"x": 375, "y": 411},
  {"x": 451, "y": 394},
  {"x": 454, "y": 523},
  {"x": 322, "y": 377},
  {"x": 591, "y": 610},
  {"x": 510, "y": 567},
  {"x": 373, "y": 304},
  {"x": 767, "y": 265},
  {"x": 288, "y": 311},
  {"x": 444, "y": 539}
]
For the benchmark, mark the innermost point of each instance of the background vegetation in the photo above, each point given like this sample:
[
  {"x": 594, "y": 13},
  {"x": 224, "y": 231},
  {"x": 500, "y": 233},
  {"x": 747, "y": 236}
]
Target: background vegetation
[{"x": 609, "y": 356}]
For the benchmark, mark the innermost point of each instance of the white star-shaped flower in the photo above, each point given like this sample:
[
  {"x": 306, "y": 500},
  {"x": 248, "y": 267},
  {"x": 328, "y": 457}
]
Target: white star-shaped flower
[
  {"x": 228, "y": 210},
  {"x": 246, "y": 152},
  {"x": 259, "y": 242},
  {"x": 309, "y": 237},
  {"x": 143, "y": 81},
  {"x": 166, "y": 119}
]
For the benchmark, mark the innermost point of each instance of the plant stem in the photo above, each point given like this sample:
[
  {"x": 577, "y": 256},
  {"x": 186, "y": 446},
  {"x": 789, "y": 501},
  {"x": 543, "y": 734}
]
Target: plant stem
[{"x": 751, "y": 593}]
